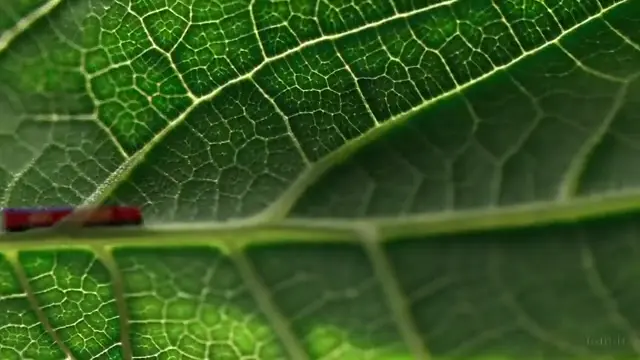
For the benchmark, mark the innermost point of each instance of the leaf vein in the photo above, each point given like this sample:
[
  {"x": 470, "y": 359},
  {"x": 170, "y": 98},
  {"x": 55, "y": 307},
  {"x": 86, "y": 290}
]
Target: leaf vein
[
  {"x": 396, "y": 300},
  {"x": 26, "y": 22},
  {"x": 35, "y": 307},
  {"x": 264, "y": 300},
  {"x": 594, "y": 279}
]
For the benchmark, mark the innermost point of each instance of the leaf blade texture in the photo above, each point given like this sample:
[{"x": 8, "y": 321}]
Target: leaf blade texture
[{"x": 392, "y": 179}]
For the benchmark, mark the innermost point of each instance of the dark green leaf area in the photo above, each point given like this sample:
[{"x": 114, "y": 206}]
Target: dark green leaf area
[
  {"x": 333, "y": 299},
  {"x": 22, "y": 335},
  {"x": 192, "y": 303},
  {"x": 552, "y": 292},
  {"x": 293, "y": 83},
  {"x": 14, "y": 10},
  {"x": 559, "y": 124},
  {"x": 74, "y": 291},
  {"x": 240, "y": 158},
  {"x": 556, "y": 292}
]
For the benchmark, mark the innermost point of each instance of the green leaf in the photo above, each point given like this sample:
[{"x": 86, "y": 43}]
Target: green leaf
[
  {"x": 391, "y": 179},
  {"x": 565, "y": 291}
]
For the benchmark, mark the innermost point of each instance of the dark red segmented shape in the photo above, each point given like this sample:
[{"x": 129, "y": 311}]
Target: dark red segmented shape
[{"x": 25, "y": 219}]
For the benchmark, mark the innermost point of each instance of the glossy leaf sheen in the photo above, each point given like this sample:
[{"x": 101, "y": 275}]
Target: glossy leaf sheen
[{"x": 383, "y": 173}]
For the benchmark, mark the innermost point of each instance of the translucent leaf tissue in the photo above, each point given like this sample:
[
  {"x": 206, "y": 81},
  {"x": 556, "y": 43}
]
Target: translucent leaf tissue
[{"x": 323, "y": 179}]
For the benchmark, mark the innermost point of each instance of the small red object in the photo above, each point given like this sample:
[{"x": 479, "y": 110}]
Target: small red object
[{"x": 25, "y": 219}]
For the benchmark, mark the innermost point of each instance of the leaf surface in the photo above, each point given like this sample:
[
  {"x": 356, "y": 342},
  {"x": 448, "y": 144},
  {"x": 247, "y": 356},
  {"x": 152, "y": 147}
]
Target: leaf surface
[{"x": 392, "y": 179}]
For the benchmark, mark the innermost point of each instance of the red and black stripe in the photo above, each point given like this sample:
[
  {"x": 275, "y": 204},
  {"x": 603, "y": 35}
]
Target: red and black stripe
[{"x": 26, "y": 218}]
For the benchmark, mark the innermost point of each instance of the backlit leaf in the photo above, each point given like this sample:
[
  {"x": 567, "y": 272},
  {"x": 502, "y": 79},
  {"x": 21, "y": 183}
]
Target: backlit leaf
[{"x": 323, "y": 179}]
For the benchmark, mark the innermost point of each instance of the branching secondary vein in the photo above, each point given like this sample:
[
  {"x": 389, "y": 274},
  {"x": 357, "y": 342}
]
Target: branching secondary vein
[
  {"x": 25, "y": 23},
  {"x": 131, "y": 163},
  {"x": 396, "y": 300},
  {"x": 575, "y": 171},
  {"x": 262, "y": 296},
  {"x": 105, "y": 256},
  {"x": 283, "y": 205},
  {"x": 35, "y": 307}
]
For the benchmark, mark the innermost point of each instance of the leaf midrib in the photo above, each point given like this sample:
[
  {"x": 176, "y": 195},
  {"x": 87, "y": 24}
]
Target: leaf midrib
[
  {"x": 243, "y": 233},
  {"x": 391, "y": 228}
]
